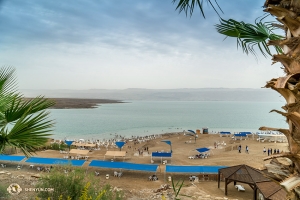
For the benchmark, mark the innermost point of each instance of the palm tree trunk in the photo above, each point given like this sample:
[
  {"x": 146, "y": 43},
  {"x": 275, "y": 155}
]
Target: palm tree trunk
[{"x": 288, "y": 13}]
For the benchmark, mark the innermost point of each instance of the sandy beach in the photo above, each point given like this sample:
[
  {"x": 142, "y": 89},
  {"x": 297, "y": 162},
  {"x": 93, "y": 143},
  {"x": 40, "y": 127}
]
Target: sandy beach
[{"x": 136, "y": 185}]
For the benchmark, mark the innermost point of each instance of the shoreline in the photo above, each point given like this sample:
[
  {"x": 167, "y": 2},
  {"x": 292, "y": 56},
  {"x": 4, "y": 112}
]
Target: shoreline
[
  {"x": 77, "y": 103},
  {"x": 183, "y": 147}
]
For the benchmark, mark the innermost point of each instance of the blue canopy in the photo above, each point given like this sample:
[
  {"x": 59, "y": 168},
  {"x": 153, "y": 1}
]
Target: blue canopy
[
  {"x": 247, "y": 133},
  {"x": 193, "y": 169},
  {"x": 192, "y": 131},
  {"x": 120, "y": 144},
  {"x": 69, "y": 142},
  {"x": 11, "y": 158},
  {"x": 54, "y": 161},
  {"x": 167, "y": 141},
  {"x": 240, "y": 135},
  {"x": 124, "y": 165},
  {"x": 223, "y": 132},
  {"x": 161, "y": 154},
  {"x": 204, "y": 149}
]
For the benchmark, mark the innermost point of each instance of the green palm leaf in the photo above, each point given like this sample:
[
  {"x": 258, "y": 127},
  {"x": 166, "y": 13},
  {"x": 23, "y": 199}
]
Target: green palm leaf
[
  {"x": 250, "y": 35},
  {"x": 188, "y": 6},
  {"x": 29, "y": 132},
  {"x": 24, "y": 124}
]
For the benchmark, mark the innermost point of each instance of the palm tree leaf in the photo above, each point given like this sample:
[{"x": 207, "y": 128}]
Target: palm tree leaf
[
  {"x": 250, "y": 36},
  {"x": 188, "y": 6},
  {"x": 29, "y": 132},
  {"x": 19, "y": 107}
]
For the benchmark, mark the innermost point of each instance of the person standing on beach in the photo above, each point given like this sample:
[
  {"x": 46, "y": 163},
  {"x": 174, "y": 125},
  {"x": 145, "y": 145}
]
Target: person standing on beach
[
  {"x": 247, "y": 149},
  {"x": 240, "y": 148},
  {"x": 268, "y": 151},
  {"x": 264, "y": 151}
]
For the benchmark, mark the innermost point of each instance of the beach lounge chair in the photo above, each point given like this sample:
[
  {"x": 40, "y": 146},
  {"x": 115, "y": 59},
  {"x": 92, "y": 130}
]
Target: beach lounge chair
[
  {"x": 150, "y": 178},
  {"x": 240, "y": 187},
  {"x": 115, "y": 174},
  {"x": 120, "y": 174},
  {"x": 3, "y": 165},
  {"x": 97, "y": 173}
]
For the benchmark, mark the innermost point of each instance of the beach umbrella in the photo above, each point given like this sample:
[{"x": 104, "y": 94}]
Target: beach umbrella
[
  {"x": 69, "y": 142},
  {"x": 168, "y": 142},
  {"x": 192, "y": 133},
  {"x": 120, "y": 144},
  {"x": 204, "y": 149}
]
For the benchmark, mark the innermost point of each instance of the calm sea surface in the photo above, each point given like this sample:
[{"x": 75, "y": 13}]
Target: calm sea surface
[{"x": 155, "y": 117}]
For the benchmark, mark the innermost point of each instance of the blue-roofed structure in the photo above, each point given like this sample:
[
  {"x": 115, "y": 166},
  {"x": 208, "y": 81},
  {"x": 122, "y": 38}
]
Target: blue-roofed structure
[
  {"x": 11, "y": 158},
  {"x": 55, "y": 161},
  {"x": 193, "y": 169},
  {"x": 124, "y": 165},
  {"x": 161, "y": 155},
  {"x": 225, "y": 134},
  {"x": 202, "y": 150}
]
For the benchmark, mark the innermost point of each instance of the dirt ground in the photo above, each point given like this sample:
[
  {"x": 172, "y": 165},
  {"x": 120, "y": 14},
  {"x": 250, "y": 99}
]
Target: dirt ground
[{"x": 136, "y": 184}]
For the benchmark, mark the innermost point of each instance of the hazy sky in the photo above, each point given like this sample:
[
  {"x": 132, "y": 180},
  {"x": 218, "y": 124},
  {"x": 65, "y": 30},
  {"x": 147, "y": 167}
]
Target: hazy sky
[{"x": 119, "y": 44}]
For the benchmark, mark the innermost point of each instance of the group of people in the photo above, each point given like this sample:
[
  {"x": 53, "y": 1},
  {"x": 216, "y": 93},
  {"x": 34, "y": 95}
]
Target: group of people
[
  {"x": 271, "y": 151},
  {"x": 240, "y": 149}
]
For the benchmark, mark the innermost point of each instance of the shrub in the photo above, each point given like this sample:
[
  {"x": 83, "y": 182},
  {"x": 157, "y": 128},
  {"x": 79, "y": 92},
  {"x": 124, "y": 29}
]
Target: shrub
[{"x": 75, "y": 184}]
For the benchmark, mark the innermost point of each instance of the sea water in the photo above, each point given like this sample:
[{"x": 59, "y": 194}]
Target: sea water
[{"x": 140, "y": 118}]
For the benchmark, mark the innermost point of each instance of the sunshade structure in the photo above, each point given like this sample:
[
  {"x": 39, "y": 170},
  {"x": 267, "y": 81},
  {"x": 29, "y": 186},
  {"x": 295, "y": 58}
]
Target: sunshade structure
[
  {"x": 161, "y": 155},
  {"x": 192, "y": 133},
  {"x": 224, "y": 133},
  {"x": 120, "y": 144},
  {"x": 202, "y": 150},
  {"x": 124, "y": 166},
  {"x": 55, "y": 161},
  {"x": 11, "y": 158},
  {"x": 169, "y": 143},
  {"x": 115, "y": 154},
  {"x": 254, "y": 178},
  {"x": 79, "y": 151},
  {"x": 240, "y": 135},
  {"x": 69, "y": 142},
  {"x": 193, "y": 169},
  {"x": 83, "y": 144}
]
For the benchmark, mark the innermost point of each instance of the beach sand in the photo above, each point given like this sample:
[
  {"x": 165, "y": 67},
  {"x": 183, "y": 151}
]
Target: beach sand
[{"x": 136, "y": 185}]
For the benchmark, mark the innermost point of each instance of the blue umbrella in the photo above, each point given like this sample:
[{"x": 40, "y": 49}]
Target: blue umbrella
[
  {"x": 193, "y": 134},
  {"x": 192, "y": 131},
  {"x": 204, "y": 149},
  {"x": 168, "y": 142},
  {"x": 69, "y": 142},
  {"x": 120, "y": 144}
]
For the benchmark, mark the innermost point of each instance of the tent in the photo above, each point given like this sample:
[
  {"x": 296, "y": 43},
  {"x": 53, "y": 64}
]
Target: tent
[
  {"x": 223, "y": 133},
  {"x": 193, "y": 169},
  {"x": 124, "y": 165},
  {"x": 55, "y": 161},
  {"x": 240, "y": 135},
  {"x": 115, "y": 154},
  {"x": 161, "y": 155},
  {"x": 79, "y": 151},
  {"x": 11, "y": 158},
  {"x": 202, "y": 150},
  {"x": 84, "y": 144}
]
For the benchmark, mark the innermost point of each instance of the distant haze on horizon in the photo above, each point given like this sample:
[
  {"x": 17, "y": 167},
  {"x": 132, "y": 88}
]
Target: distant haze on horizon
[
  {"x": 117, "y": 44},
  {"x": 199, "y": 94}
]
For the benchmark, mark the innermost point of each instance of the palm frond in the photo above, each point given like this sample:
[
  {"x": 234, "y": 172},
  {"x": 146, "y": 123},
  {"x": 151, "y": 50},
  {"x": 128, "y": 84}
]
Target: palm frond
[
  {"x": 250, "y": 36},
  {"x": 29, "y": 121},
  {"x": 29, "y": 132},
  {"x": 188, "y": 6},
  {"x": 7, "y": 80}
]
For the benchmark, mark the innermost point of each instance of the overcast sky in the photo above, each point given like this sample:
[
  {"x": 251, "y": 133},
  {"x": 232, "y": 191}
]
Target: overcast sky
[{"x": 119, "y": 44}]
